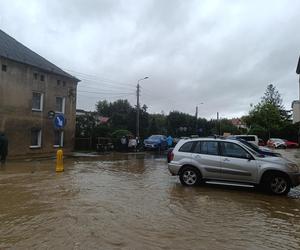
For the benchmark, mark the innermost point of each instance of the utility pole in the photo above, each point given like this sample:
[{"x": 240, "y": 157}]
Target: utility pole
[
  {"x": 138, "y": 91},
  {"x": 138, "y": 110},
  {"x": 196, "y": 115},
  {"x": 297, "y": 72},
  {"x": 218, "y": 124}
]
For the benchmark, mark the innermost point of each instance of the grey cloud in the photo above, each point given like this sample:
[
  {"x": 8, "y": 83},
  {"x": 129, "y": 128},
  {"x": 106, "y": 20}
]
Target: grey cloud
[{"x": 221, "y": 53}]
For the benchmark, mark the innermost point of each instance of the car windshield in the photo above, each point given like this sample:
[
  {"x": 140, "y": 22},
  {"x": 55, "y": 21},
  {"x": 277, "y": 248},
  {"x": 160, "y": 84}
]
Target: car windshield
[{"x": 155, "y": 137}]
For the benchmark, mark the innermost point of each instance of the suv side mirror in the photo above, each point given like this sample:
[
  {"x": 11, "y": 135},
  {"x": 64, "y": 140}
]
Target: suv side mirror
[{"x": 249, "y": 157}]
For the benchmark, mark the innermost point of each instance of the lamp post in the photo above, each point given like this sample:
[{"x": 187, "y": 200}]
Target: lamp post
[
  {"x": 196, "y": 115},
  {"x": 297, "y": 72},
  {"x": 138, "y": 107}
]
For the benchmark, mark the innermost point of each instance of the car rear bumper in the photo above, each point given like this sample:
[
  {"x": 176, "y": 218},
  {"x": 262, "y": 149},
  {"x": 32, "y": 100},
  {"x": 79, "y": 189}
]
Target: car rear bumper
[
  {"x": 151, "y": 145},
  {"x": 295, "y": 179},
  {"x": 174, "y": 168}
]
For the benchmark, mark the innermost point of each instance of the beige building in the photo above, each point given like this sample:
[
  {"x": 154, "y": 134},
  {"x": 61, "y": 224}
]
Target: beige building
[
  {"x": 37, "y": 101},
  {"x": 296, "y": 111}
]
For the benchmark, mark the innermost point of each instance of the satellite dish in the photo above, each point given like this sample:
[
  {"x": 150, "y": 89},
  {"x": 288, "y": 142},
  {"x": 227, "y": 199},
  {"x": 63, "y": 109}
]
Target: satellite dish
[{"x": 298, "y": 67}]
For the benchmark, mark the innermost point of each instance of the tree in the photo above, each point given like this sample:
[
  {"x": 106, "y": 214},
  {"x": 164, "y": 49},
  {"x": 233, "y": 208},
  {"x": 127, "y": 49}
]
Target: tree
[
  {"x": 268, "y": 116},
  {"x": 273, "y": 97}
]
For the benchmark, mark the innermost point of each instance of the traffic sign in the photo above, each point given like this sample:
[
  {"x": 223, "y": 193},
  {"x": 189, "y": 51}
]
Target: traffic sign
[
  {"x": 59, "y": 121},
  {"x": 51, "y": 114}
]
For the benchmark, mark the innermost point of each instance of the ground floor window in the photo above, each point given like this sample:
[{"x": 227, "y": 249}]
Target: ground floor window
[
  {"x": 58, "y": 138},
  {"x": 36, "y": 138}
]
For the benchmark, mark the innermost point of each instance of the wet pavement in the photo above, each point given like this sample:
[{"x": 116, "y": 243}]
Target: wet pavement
[{"x": 130, "y": 201}]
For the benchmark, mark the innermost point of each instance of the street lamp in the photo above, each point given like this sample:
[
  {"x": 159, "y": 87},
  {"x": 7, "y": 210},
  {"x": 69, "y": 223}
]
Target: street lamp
[
  {"x": 138, "y": 107},
  {"x": 298, "y": 72},
  {"x": 196, "y": 115}
]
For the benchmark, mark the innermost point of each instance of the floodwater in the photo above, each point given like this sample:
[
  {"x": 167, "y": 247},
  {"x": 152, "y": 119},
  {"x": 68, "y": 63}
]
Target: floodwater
[{"x": 130, "y": 201}]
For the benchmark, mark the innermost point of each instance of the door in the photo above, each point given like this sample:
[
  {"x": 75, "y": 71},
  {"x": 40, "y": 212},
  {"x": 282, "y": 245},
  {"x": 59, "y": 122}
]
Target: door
[
  {"x": 206, "y": 157},
  {"x": 236, "y": 164}
]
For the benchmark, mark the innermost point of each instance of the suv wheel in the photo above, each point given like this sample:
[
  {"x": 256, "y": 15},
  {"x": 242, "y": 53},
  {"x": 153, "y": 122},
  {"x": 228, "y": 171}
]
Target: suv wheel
[
  {"x": 278, "y": 184},
  {"x": 190, "y": 176}
]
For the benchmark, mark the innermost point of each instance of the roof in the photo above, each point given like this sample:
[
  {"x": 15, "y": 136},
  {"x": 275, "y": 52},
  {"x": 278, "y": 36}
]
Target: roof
[{"x": 16, "y": 51}]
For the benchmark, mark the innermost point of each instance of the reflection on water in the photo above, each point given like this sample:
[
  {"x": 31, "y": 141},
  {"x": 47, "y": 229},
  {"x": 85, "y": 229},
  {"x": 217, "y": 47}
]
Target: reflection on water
[{"x": 131, "y": 202}]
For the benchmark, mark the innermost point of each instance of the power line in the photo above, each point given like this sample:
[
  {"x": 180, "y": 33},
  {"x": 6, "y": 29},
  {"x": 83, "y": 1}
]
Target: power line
[
  {"x": 95, "y": 92},
  {"x": 104, "y": 96},
  {"x": 94, "y": 77},
  {"x": 104, "y": 85}
]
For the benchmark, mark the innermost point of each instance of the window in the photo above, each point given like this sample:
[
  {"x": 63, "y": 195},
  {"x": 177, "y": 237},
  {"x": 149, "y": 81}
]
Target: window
[
  {"x": 64, "y": 83},
  {"x": 4, "y": 67},
  {"x": 58, "y": 82},
  {"x": 197, "y": 148},
  {"x": 58, "y": 138},
  {"x": 233, "y": 150},
  {"x": 37, "y": 101},
  {"x": 209, "y": 148},
  {"x": 42, "y": 78},
  {"x": 60, "y": 104},
  {"x": 35, "y": 75},
  {"x": 36, "y": 138},
  {"x": 187, "y": 147}
]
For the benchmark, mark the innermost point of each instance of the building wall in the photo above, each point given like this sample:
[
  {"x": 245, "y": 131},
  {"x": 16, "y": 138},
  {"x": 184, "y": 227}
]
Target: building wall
[
  {"x": 16, "y": 115},
  {"x": 296, "y": 111}
]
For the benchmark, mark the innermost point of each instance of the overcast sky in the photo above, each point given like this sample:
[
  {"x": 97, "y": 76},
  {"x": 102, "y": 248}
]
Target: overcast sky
[{"x": 219, "y": 53}]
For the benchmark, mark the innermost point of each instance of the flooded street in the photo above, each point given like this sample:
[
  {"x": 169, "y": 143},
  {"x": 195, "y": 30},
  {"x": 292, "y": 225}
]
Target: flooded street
[{"x": 128, "y": 201}]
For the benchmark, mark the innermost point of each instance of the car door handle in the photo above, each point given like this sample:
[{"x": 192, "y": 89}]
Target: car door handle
[
  {"x": 197, "y": 156},
  {"x": 226, "y": 159}
]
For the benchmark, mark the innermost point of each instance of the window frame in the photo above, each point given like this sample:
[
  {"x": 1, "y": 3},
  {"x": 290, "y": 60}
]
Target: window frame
[
  {"x": 236, "y": 157},
  {"x": 39, "y": 138},
  {"x": 63, "y": 104},
  {"x": 4, "y": 67},
  {"x": 192, "y": 147},
  {"x": 41, "y": 102},
  {"x": 61, "y": 139},
  {"x": 201, "y": 141}
]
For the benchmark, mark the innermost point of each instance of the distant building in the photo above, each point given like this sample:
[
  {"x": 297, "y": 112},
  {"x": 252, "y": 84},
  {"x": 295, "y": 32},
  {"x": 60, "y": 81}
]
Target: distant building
[
  {"x": 296, "y": 111},
  {"x": 98, "y": 118},
  {"x": 237, "y": 122},
  {"x": 32, "y": 91}
]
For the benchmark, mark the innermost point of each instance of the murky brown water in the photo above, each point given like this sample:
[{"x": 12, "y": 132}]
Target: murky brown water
[{"x": 132, "y": 202}]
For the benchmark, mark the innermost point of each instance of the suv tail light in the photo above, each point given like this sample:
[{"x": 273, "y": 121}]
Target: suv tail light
[{"x": 171, "y": 156}]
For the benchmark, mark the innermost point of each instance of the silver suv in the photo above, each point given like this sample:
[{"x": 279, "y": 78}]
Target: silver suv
[{"x": 229, "y": 162}]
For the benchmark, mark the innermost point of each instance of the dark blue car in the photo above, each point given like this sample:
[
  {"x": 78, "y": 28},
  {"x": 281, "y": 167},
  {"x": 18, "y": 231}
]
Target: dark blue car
[{"x": 156, "y": 142}]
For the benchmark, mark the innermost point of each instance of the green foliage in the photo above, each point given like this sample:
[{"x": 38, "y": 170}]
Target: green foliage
[
  {"x": 123, "y": 115},
  {"x": 268, "y": 118}
]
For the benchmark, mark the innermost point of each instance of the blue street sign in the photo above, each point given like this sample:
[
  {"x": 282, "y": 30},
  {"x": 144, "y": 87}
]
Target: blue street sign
[{"x": 59, "y": 121}]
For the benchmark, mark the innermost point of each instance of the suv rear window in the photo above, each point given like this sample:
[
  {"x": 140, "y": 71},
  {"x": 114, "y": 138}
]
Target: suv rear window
[{"x": 187, "y": 147}]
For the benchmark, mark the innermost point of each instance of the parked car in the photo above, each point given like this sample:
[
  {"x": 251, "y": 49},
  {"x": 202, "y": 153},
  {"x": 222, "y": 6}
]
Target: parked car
[
  {"x": 250, "y": 138},
  {"x": 261, "y": 142},
  {"x": 276, "y": 143},
  {"x": 260, "y": 150},
  {"x": 291, "y": 144},
  {"x": 156, "y": 142},
  {"x": 230, "y": 162}
]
